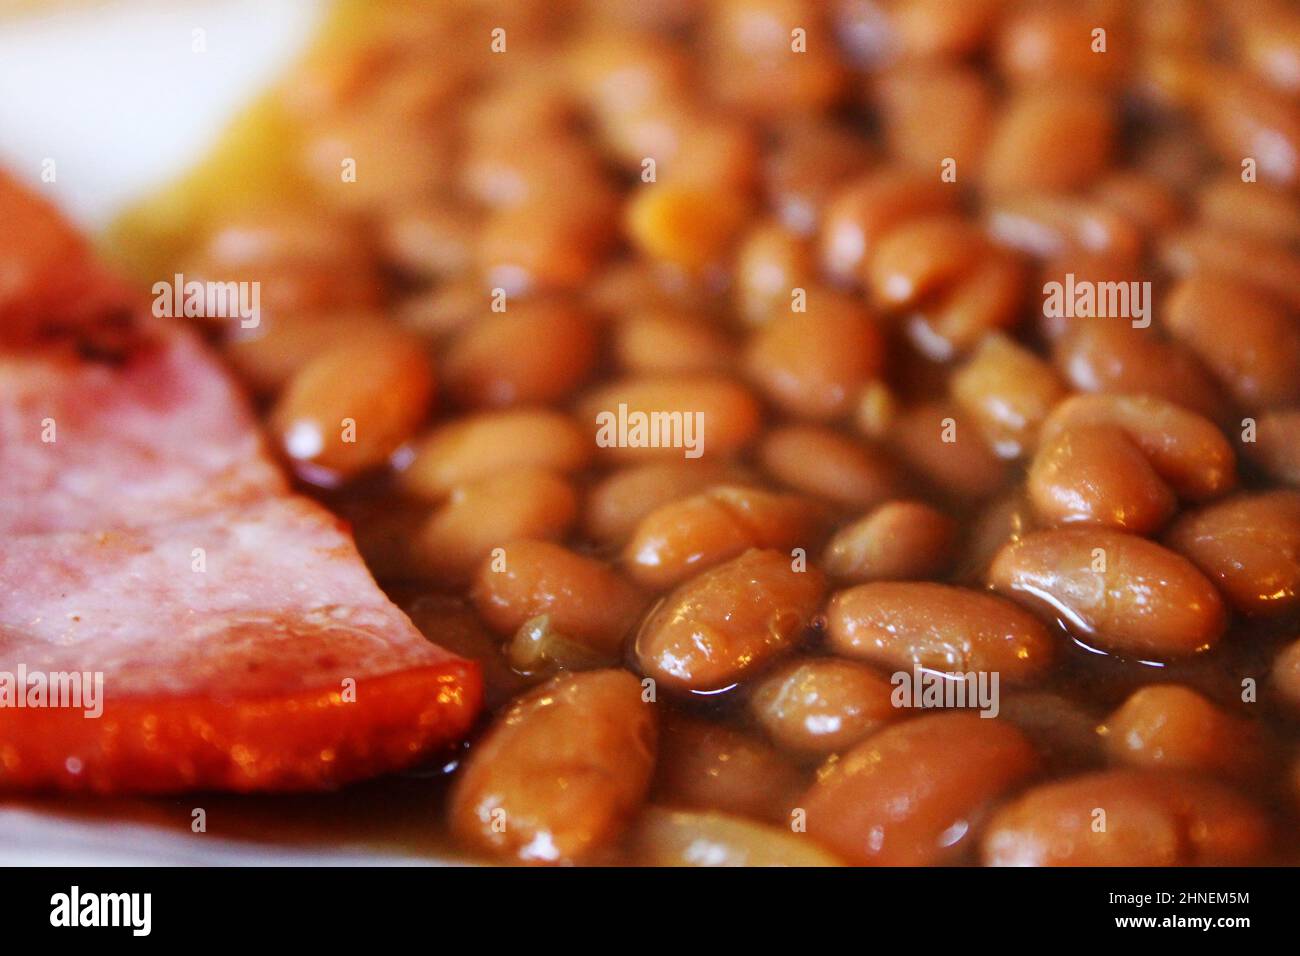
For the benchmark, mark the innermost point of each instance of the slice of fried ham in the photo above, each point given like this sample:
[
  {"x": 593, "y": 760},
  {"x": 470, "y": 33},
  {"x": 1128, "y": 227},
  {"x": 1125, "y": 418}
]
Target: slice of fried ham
[{"x": 147, "y": 537}]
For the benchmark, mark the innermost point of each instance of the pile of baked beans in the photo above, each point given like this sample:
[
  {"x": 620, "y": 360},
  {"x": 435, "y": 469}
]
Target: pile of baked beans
[{"x": 828, "y": 230}]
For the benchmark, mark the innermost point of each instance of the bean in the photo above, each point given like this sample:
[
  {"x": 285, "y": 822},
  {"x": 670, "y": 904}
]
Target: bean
[
  {"x": 1049, "y": 226},
  {"x": 1271, "y": 266},
  {"x": 1286, "y": 674},
  {"x": 1150, "y": 819},
  {"x": 898, "y": 540},
  {"x": 560, "y": 774},
  {"x": 1276, "y": 445},
  {"x": 813, "y": 364},
  {"x": 939, "y": 627},
  {"x": 685, "y": 225},
  {"x": 1258, "y": 358},
  {"x": 1112, "y": 357},
  {"x": 729, "y": 622},
  {"x": 772, "y": 261},
  {"x": 665, "y": 837},
  {"x": 1119, "y": 592},
  {"x": 1063, "y": 730},
  {"x": 810, "y": 159},
  {"x": 1249, "y": 546},
  {"x": 618, "y": 502},
  {"x": 822, "y": 705},
  {"x": 912, "y": 794},
  {"x": 1174, "y": 728},
  {"x": 584, "y": 598},
  {"x": 1185, "y": 449},
  {"x": 1097, "y": 475},
  {"x": 1039, "y": 46},
  {"x": 913, "y": 96},
  {"x": 1008, "y": 391},
  {"x": 987, "y": 298},
  {"x": 531, "y": 353},
  {"x": 826, "y": 464},
  {"x": 670, "y": 342},
  {"x": 350, "y": 408},
  {"x": 478, "y": 446},
  {"x": 921, "y": 257},
  {"x": 730, "y": 415},
  {"x": 690, "y": 534},
  {"x": 450, "y": 622},
  {"x": 865, "y": 210},
  {"x": 546, "y": 244},
  {"x": 704, "y": 765},
  {"x": 940, "y": 443},
  {"x": 1256, "y": 209},
  {"x": 268, "y": 356},
  {"x": 1050, "y": 138},
  {"x": 486, "y": 514},
  {"x": 429, "y": 240}
]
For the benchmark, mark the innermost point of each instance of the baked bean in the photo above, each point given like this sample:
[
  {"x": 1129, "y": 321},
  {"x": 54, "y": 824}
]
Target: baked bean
[
  {"x": 485, "y": 514},
  {"x": 922, "y": 30},
  {"x": 1063, "y": 731},
  {"x": 985, "y": 299},
  {"x": 1275, "y": 448},
  {"x": 350, "y": 408},
  {"x": 912, "y": 96},
  {"x": 1174, "y": 728},
  {"x": 1272, "y": 266},
  {"x": 876, "y": 410},
  {"x": 1049, "y": 225},
  {"x": 749, "y": 61},
  {"x": 1040, "y": 46},
  {"x": 866, "y": 209},
  {"x": 664, "y": 837},
  {"x": 687, "y": 535},
  {"x": 1008, "y": 391},
  {"x": 771, "y": 263},
  {"x": 813, "y": 364},
  {"x": 912, "y": 794},
  {"x": 943, "y": 445},
  {"x": 1270, "y": 46},
  {"x": 550, "y": 243},
  {"x": 822, "y": 705},
  {"x": 1286, "y": 674},
  {"x": 1050, "y": 138},
  {"x": 1186, "y": 450},
  {"x": 1151, "y": 819},
  {"x": 1139, "y": 199},
  {"x": 938, "y": 627},
  {"x": 1256, "y": 209},
  {"x": 517, "y": 169},
  {"x": 479, "y": 446},
  {"x": 729, "y": 414},
  {"x": 441, "y": 312},
  {"x": 616, "y": 504},
  {"x": 532, "y": 352},
  {"x": 429, "y": 240},
  {"x": 584, "y": 598},
  {"x": 1119, "y": 592},
  {"x": 560, "y": 774},
  {"x": 728, "y": 622},
  {"x": 670, "y": 342},
  {"x": 1008, "y": 517},
  {"x": 809, "y": 160},
  {"x": 709, "y": 766},
  {"x": 897, "y": 540},
  {"x": 1112, "y": 357},
  {"x": 1240, "y": 117},
  {"x": 624, "y": 73},
  {"x": 687, "y": 226},
  {"x": 1249, "y": 546},
  {"x": 268, "y": 356},
  {"x": 1256, "y": 356},
  {"x": 826, "y": 464},
  {"x": 1097, "y": 475},
  {"x": 300, "y": 263},
  {"x": 921, "y": 257}
]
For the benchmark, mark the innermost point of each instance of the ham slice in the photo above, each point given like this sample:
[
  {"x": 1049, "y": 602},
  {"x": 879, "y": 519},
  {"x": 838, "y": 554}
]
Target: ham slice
[{"x": 148, "y": 538}]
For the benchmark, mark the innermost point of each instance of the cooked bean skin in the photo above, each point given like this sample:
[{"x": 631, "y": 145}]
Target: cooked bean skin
[
  {"x": 1116, "y": 591},
  {"x": 584, "y": 598},
  {"x": 1097, "y": 475},
  {"x": 822, "y": 705},
  {"x": 1151, "y": 819},
  {"x": 826, "y": 464},
  {"x": 680, "y": 838},
  {"x": 560, "y": 773},
  {"x": 688, "y": 535},
  {"x": 616, "y": 504},
  {"x": 905, "y": 625},
  {"x": 1185, "y": 449},
  {"x": 1286, "y": 674},
  {"x": 1008, "y": 391},
  {"x": 709, "y": 766},
  {"x": 1174, "y": 728},
  {"x": 896, "y": 541},
  {"x": 911, "y": 794},
  {"x": 478, "y": 446},
  {"x": 1249, "y": 546},
  {"x": 729, "y": 622}
]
